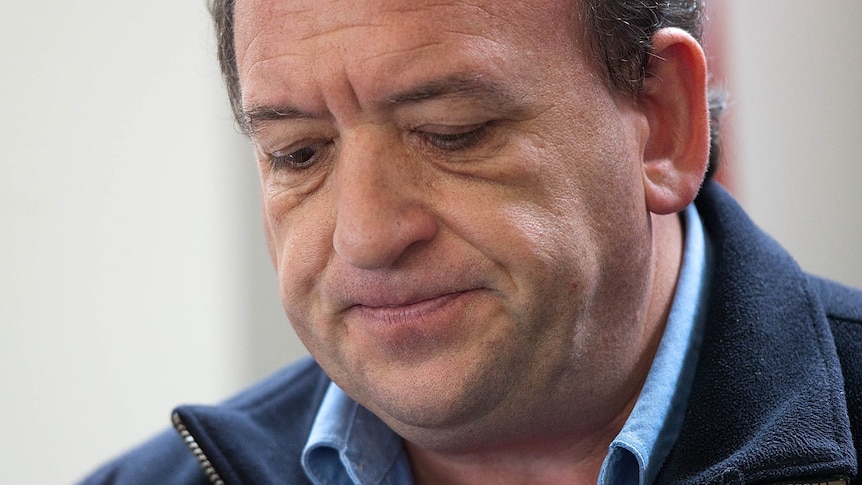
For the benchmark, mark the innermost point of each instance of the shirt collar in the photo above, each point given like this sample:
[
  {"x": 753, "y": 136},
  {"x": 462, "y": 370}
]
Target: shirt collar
[
  {"x": 350, "y": 445},
  {"x": 637, "y": 453}
]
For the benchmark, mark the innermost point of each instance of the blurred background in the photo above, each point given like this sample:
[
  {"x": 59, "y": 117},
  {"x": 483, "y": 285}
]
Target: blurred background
[{"x": 133, "y": 272}]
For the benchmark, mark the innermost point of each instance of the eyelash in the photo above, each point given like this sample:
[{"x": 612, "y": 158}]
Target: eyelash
[
  {"x": 456, "y": 141},
  {"x": 288, "y": 161}
]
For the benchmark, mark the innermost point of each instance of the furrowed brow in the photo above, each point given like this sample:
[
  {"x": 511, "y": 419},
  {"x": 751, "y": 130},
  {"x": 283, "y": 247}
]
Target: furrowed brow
[{"x": 457, "y": 86}]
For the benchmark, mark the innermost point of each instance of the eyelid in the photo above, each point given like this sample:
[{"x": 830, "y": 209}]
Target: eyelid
[
  {"x": 450, "y": 129},
  {"x": 284, "y": 136},
  {"x": 280, "y": 159},
  {"x": 453, "y": 138}
]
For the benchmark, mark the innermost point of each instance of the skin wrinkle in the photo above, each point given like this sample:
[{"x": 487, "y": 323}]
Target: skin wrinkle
[
  {"x": 457, "y": 7},
  {"x": 470, "y": 86},
  {"x": 413, "y": 49},
  {"x": 391, "y": 53},
  {"x": 337, "y": 30},
  {"x": 259, "y": 64}
]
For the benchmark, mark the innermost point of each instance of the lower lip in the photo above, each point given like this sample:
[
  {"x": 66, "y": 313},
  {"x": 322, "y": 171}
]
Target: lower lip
[{"x": 413, "y": 326}]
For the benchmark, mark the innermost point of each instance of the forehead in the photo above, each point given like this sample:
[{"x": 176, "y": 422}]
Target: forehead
[
  {"x": 372, "y": 44},
  {"x": 268, "y": 23}
]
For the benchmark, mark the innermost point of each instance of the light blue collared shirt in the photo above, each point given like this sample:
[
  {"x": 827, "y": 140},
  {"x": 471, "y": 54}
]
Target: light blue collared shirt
[{"x": 348, "y": 445}]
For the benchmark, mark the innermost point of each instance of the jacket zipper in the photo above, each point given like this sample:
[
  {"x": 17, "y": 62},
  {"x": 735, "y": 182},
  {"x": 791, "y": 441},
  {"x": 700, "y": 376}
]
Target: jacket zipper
[{"x": 196, "y": 450}]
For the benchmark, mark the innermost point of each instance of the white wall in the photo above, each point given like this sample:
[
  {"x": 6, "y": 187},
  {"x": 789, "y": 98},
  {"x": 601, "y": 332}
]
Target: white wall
[
  {"x": 132, "y": 270},
  {"x": 130, "y": 254},
  {"x": 797, "y": 107}
]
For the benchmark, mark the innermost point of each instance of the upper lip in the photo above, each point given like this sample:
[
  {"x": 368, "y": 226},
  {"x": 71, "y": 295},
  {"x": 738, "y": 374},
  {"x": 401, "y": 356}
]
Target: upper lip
[{"x": 396, "y": 301}]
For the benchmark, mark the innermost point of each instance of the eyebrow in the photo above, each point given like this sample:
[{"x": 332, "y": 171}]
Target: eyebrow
[
  {"x": 254, "y": 116},
  {"x": 456, "y": 86},
  {"x": 462, "y": 85}
]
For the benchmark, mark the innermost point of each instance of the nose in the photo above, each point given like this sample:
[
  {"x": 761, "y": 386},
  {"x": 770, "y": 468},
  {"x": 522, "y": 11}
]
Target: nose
[{"x": 379, "y": 204}]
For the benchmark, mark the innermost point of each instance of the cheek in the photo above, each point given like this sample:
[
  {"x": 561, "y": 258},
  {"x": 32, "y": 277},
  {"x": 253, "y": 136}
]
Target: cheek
[
  {"x": 545, "y": 257},
  {"x": 302, "y": 261},
  {"x": 584, "y": 213},
  {"x": 300, "y": 238}
]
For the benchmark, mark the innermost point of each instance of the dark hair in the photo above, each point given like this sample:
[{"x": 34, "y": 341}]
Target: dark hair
[{"x": 618, "y": 34}]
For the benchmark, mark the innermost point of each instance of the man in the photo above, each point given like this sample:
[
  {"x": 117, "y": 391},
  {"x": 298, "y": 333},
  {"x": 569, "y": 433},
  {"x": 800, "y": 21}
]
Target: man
[{"x": 481, "y": 217}]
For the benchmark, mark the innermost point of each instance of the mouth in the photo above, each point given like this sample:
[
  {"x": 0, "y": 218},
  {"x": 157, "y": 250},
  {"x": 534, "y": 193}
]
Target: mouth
[
  {"x": 414, "y": 325},
  {"x": 407, "y": 311}
]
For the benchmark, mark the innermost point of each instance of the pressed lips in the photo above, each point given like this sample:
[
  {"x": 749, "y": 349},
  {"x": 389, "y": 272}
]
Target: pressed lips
[
  {"x": 405, "y": 313},
  {"x": 414, "y": 324},
  {"x": 402, "y": 308}
]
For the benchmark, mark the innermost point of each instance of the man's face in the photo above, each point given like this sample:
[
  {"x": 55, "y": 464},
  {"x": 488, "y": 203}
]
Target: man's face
[{"x": 454, "y": 204}]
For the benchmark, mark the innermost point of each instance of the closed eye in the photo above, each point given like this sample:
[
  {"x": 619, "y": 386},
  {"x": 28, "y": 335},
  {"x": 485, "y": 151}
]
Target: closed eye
[{"x": 455, "y": 138}]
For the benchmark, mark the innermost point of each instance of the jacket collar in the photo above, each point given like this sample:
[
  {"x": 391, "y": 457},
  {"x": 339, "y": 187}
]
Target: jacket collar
[
  {"x": 768, "y": 401},
  {"x": 258, "y": 436}
]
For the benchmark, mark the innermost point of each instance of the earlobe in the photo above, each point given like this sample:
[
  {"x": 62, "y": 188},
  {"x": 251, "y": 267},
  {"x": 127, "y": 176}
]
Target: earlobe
[{"x": 674, "y": 100}]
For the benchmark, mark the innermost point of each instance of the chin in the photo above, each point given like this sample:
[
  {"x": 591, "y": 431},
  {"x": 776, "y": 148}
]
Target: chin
[{"x": 451, "y": 405}]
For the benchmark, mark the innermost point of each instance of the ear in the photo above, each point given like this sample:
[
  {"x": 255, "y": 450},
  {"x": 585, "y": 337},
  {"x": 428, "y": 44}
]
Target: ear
[{"x": 674, "y": 100}]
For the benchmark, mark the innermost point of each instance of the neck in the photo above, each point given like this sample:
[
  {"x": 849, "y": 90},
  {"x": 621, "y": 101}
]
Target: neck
[{"x": 551, "y": 461}]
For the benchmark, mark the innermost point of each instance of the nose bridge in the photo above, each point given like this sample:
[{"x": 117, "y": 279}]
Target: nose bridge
[{"x": 379, "y": 204}]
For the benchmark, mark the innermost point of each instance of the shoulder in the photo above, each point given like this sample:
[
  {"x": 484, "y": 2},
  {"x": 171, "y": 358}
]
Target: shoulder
[
  {"x": 843, "y": 308},
  {"x": 162, "y": 459},
  {"x": 165, "y": 459},
  {"x": 840, "y": 302}
]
